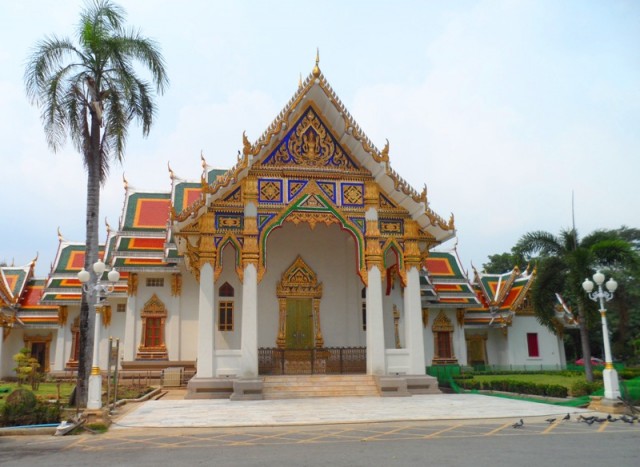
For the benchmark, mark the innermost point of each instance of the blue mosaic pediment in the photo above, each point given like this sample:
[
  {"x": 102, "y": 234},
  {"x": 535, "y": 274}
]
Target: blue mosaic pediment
[{"x": 310, "y": 143}]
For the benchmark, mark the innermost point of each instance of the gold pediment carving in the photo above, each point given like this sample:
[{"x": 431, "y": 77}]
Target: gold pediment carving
[
  {"x": 299, "y": 280},
  {"x": 442, "y": 323}
]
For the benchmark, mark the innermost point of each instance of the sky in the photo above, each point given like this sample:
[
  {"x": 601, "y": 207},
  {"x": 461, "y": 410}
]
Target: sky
[{"x": 502, "y": 108}]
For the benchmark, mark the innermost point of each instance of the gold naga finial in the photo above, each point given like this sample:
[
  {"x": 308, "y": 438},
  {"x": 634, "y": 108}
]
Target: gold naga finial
[
  {"x": 126, "y": 183},
  {"x": 316, "y": 69},
  {"x": 35, "y": 260},
  {"x": 452, "y": 223},
  {"x": 204, "y": 162},
  {"x": 246, "y": 145},
  {"x": 171, "y": 174},
  {"x": 423, "y": 194},
  {"x": 60, "y": 237},
  {"x": 106, "y": 223},
  {"x": 385, "y": 152}
]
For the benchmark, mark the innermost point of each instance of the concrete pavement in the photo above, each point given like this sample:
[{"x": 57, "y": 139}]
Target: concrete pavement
[{"x": 319, "y": 411}]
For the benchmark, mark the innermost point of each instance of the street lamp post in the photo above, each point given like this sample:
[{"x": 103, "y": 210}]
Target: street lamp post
[
  {"x": 609, "y": 375},
  {"x": 101, "y": 290}
]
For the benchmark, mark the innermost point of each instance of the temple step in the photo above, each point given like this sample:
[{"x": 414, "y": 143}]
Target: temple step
[{"x": 303, "y": 386}]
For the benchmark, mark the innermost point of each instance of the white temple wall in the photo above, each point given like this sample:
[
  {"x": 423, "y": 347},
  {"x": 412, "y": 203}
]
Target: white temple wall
[
  {"x": 10, "y": 346},
  {"x": 548, "y": 347},
  {"x": 189, "y": 317},
  {"x": 115, "y": 330},
  {"x": 331, "y": 253},
  {"x": 497, "y": 347}
]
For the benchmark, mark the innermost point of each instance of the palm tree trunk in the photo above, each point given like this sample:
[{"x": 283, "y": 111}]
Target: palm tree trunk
[
  {"x": 87, "y": 308},
  {"x": 586, "y": 347}
]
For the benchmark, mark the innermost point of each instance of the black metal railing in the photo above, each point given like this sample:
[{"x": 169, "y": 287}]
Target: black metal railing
[{"x": 329, "y": 361}]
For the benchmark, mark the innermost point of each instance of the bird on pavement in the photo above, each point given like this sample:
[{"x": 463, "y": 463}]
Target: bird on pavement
[
  {"x": 550, "y": 420},
  {"x": 626, "y": 419},
  {"x": 590, "y": 421},
  {"x": 586, "y": 419},
  {"x": 520, "y": 424},
  {"x": 611, "y": 419},
  {"x": 567, "y": 417}
]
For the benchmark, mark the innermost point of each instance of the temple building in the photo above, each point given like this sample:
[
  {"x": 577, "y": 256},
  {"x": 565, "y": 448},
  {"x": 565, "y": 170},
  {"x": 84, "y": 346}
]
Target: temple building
[{"x": 310, "y": 255}]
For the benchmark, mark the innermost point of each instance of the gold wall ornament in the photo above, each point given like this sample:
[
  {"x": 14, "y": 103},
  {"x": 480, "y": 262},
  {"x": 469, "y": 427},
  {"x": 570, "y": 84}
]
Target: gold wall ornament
[
  {"x": 442, "y": 323},
  {"x": 460, "y": 316},
  {"x": 371, "y": 194},
  {"x": 132, "y": 284},
  {"x": 425, "y": 317},
  {"x": 106, "y": 315},
  {"x": 250, "y": 189},
  {"x": 299, "y": 281},
  {"x": 63, "y": 314},
  {"x": 176, "y": 284},
  {"x": 396, "y": 326},
  {"x": 312, "y": 218}
]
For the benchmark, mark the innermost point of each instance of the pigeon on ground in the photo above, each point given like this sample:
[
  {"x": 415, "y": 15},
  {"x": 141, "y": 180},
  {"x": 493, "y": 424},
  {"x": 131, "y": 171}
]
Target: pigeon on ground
[
  {"x": 590, "y": 421},
  {"x": 567, "y": 417},
  {"x": 520, "y": 424},
  {"x": 611, "y": 419},
  {"x": 600, "y": 420},
  {"x": 626, "y": 419},
  {"x": 550, "y": 420},
  {"x": 587, "y": 419}
]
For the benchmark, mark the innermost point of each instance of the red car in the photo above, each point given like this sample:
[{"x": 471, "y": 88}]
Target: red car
[{"x": 594, "y": 361}]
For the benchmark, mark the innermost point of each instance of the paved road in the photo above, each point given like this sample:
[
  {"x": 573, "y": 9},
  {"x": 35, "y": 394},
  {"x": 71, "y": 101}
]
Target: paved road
[{"x": 460, "y": 442}]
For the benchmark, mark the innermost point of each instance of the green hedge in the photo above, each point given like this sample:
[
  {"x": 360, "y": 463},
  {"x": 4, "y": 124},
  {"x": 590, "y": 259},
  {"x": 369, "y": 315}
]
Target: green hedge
[{"x": 519, "y": 387}]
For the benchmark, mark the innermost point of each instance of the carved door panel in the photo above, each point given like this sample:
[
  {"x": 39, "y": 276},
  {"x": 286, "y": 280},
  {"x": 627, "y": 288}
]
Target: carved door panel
[
  {"x": 475, "y": 352},
  {"x": 299, "y": 334}
]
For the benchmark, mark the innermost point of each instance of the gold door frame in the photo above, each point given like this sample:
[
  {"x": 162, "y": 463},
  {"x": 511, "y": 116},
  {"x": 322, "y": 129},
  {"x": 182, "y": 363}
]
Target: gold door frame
[{"x": 299, "y": 281}]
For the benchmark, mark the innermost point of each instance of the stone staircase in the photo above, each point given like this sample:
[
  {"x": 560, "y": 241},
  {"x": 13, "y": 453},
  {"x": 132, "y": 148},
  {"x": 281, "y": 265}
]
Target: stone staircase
[{"x": 303, "y": 386}]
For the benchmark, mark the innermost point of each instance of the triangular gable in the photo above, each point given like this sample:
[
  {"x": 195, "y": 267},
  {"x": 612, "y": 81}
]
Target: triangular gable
[{"x": 310, "y": 143}]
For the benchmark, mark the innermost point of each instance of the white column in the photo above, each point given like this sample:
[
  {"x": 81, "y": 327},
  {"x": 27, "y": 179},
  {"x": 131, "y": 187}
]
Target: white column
[
  {"x": 249, "y": 328},
  {"x": 58, "y": 362},
  {"x": 206, "y": 323},
  {"x": 129, "y": 343},
  {"x": 413, "y": 329},
  {"x": 173, "y": 329},
  {"x": 375, "y": 324},
  {"x": 461, "y": 351},
  {"x": 95, "y": 379}
]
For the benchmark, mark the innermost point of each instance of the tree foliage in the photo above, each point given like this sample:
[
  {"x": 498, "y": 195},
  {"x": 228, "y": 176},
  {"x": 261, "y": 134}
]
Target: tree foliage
[{"x": 564, "y": 261}]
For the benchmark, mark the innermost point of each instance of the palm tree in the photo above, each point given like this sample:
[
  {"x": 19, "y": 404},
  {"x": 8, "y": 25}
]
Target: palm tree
[
  {"x": 90, "y": 90},
  {"x": 563, "y": 263}
]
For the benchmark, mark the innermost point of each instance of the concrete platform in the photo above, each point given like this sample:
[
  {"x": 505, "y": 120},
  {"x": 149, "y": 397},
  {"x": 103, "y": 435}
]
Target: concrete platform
[{"x": 329, "y": 410}]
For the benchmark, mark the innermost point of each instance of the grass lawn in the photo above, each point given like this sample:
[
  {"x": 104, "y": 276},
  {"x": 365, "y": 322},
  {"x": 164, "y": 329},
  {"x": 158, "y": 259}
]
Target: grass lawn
[
  {"x": 566, "y": 381},
  {"x": 47, "y": 391}
]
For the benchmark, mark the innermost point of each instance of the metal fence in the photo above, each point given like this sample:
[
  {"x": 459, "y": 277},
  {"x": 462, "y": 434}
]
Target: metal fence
[{"x": 330, "y": 360}]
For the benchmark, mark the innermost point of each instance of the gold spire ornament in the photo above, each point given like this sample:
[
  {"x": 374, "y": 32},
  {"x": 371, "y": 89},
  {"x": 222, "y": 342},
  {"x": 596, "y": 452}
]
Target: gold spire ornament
[{"x": 316, "y": 69}]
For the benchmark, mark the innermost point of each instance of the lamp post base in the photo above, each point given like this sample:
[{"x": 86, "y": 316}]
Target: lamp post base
[
  {"x": 95, "y": 391},
  {"x": 611, "y": 385}
]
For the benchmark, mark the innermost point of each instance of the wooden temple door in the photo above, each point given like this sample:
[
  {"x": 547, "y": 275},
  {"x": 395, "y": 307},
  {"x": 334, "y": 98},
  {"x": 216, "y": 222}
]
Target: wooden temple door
[{"x": 299, "y": 326}]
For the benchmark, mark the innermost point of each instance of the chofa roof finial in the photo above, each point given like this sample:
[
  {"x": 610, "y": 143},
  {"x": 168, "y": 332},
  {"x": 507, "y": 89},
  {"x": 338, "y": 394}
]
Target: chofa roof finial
[{"x": 316, "y": 69}]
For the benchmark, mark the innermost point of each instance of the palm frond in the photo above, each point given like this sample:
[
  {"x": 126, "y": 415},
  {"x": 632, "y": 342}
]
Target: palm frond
[{"x": 538, "y": 243}]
